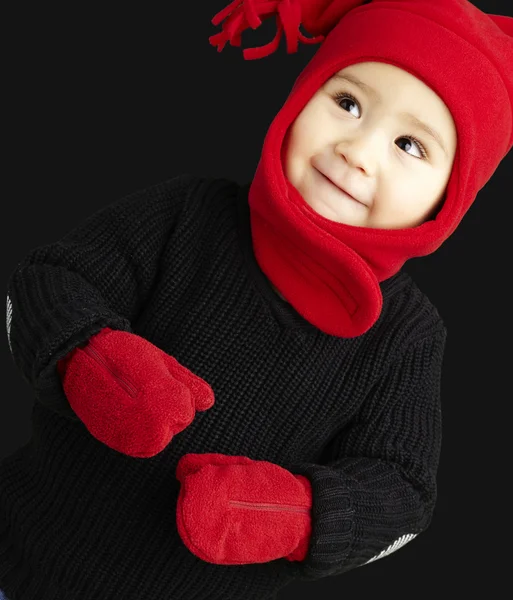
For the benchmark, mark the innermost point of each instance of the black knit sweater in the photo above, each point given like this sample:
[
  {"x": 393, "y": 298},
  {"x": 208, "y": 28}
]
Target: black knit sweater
[{"x": 360, "y": 417}]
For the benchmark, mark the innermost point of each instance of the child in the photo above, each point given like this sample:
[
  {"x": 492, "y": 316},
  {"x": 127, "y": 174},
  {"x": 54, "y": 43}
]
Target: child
[{"x": 276, "y": 310}]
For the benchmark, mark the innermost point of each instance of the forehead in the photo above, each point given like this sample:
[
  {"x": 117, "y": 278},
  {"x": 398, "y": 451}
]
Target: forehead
[{"x": 383, "y": 76}]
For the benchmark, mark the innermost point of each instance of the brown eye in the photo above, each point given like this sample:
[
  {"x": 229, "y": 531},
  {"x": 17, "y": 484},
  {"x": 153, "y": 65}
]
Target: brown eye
[
  {"x": 410, "y": 139},
  {"x": 343, "y": 96}
]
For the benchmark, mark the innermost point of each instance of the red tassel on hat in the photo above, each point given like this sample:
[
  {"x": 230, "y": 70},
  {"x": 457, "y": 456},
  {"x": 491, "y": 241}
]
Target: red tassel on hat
[
  {"x": 242, "y": 14},
  {"x": 317, "y": 16}
]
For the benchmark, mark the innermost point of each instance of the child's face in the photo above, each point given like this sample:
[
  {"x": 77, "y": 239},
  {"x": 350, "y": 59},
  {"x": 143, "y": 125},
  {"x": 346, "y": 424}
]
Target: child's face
[{"x": 364, "y": 146}]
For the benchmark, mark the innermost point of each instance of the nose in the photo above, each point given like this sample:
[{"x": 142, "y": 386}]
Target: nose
[{"x": 359, "y": 150}]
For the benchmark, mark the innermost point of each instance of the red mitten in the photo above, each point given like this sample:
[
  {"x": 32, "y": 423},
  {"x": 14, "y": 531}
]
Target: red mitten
[
  {"x": 129, "y": 394},
  {"x": 233, "y": 510}
]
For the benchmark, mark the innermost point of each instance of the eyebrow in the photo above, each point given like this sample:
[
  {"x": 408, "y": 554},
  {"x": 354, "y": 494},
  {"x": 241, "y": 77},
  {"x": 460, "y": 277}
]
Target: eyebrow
[{"x": 408, "y": 116}]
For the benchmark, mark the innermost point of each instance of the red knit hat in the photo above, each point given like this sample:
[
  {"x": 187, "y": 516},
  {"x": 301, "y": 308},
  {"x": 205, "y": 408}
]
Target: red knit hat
[{"x": 330, "y": 271}]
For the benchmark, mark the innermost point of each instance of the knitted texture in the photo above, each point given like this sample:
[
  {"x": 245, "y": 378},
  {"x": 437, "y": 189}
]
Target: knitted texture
[{"x": 359, "y": 417}]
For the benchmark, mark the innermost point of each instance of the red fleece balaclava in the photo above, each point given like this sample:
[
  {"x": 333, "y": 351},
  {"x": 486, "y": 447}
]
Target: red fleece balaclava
[{"x": 330, "y": 271}]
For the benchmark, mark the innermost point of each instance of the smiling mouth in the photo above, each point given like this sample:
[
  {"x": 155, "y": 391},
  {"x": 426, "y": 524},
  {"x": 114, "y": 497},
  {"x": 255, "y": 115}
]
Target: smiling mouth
[{"x": 341, "y": 191}]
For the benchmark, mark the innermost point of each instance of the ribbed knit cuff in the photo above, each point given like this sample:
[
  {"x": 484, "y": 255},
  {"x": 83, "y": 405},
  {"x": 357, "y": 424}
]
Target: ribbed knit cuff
[
  {"x": 332, "y": 522},
  {"x": 48, "y": 385},
  {"x": 53, "y": 311}
]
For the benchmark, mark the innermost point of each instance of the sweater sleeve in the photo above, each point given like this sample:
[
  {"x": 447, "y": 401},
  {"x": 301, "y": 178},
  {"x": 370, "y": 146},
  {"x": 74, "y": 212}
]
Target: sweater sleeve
[
  {"x": 98, "y": 275},
  {"x": 376, "y": 487}
]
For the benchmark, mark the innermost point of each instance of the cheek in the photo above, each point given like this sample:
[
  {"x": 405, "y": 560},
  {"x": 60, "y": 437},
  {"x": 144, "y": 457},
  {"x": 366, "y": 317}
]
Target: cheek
[
  {"x": 305, "y": 132},
  {"x": 293, "y": 149},
  {"x": 295, "y": 140},
  {"x": 302, "y": 141},
  {"x": 399, "y": 190},
  {"x": 403, "y": 199}
]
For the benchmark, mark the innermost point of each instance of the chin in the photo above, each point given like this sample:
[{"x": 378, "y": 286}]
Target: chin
[{"x": 325, "y": 210}]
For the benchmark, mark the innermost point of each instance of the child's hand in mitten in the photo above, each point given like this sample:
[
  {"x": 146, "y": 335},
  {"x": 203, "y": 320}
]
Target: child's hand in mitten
[
  {"x": 233, "y": 510},
  {"x": 129, "y": 394}
]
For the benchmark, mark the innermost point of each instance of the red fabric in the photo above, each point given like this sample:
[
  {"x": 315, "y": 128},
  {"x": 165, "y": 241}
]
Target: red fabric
[
  {"x": 328, "y": 271},
  {"x": 101, "y": 377},
  {"x": 233, "y": 510}
]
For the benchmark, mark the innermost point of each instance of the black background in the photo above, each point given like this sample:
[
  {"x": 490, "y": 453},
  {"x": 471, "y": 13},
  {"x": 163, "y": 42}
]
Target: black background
[{"x": 102, "y": 101}]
